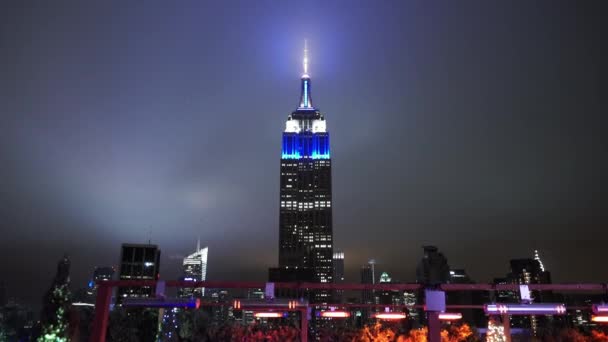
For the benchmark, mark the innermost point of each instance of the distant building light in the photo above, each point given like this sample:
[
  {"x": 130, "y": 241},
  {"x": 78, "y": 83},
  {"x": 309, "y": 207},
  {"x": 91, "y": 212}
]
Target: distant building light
[{"x": 148, "y": 264}]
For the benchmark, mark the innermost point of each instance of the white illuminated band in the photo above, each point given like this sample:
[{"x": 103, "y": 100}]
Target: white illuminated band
[
  {"x": 599, "y": 319},
  {"x": 450, "y": 316},
  {"x": 557, "y": 309},
  {"x": 335, "y": 314},
  {"x": 83, "y": 304},
  {"x": 600, "y": 308},
  {"x": 389, "y": 316},
  {"x": 268, "y": 314}
]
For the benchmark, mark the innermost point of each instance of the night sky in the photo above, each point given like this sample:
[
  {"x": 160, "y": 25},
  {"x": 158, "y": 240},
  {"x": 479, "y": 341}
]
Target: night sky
[{"x": 479, "y": 127}]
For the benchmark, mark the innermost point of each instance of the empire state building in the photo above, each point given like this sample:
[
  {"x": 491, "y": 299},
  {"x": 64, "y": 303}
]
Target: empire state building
[{"x": 305, "y": 217}]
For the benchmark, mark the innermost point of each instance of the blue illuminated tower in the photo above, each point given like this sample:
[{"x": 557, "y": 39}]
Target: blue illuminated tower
[{"x": 305, "y": 219}]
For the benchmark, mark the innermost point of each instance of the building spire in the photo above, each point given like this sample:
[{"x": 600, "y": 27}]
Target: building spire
[
  {"x": 537, "y": 257},
  {"x": 305, "y": 60},
  {"x": 198, "y": 244},
  {"x": 305, "y": 98}
]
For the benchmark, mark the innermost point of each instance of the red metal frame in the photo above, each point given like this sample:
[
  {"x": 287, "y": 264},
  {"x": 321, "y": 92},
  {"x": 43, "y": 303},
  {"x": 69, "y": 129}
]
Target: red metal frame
[{"x": 104, "y": 296}]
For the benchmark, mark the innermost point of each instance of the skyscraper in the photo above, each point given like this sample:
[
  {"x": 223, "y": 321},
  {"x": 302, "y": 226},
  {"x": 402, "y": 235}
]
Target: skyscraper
[
  {"x": 138, "y": 262},
  {"x": 195, "y": 269},
  {"x": 367, "y": 277},
  {"x": 530, "y": 271},
  {"x": 433, "y": 269},
  {"x": 305, "y": 217}
]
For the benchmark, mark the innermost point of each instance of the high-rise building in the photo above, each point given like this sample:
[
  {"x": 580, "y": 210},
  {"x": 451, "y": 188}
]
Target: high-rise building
[
  {"x": 138, "y": 262},
  {"x": 195, "y": 269},
  {"x": 433, "y": 269},
  {"x": 305, "y": 217},
  {"x": 388, "y": 297},
  {"x": 460, "y": 276},
  {"x": 367, "y": 277},
  {"x": 530, "y": 271}
]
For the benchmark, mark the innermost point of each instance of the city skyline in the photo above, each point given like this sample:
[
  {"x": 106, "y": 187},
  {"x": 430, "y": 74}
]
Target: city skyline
[{"x": 452, "y": 126}]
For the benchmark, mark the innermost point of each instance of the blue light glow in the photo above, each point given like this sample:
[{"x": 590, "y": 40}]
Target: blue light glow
[
  {"x": 290, "y": 156},
  {"x": 305, "y": 145},
  {"x": 320, "y": 156},
  {"x": 305, "y": 93}
]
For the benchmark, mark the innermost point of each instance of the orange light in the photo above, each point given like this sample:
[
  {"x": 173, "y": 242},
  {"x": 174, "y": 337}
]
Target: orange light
[
  {"x": 450, "y": 316},
  {"x": 237, "y": 304},
  {"x": 268, "y": 314},
  {"x": 335, "y": 314},
  {"x": 390, "y": 315},
  {"x": 600, "y": 319}
]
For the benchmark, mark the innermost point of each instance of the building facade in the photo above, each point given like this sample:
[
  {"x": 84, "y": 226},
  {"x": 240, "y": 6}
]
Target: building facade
[
  {"x": 305, "y": 217},
  {"x": 195, "y": 269},
  {"x": 338, "y": 275},
  {"x": 138, "y": 262}
]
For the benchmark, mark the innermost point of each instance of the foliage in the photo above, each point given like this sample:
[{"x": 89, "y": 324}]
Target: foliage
[
  {"x": 598, "y": 336},
  {"x": 390, "y": 333},
  {"x": 55, "y": 324},
  {"x": 496, "y": 332},
  {"x": 193, "y": 324}
]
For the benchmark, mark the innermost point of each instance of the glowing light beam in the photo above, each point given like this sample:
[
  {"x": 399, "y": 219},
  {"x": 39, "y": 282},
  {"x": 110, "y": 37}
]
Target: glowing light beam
[
  {"x": 268, "y": 314},
  {"x": 335, "y": 314},
  {"x": 390, "y": 315},
  {"x": 450, "y": 316}
]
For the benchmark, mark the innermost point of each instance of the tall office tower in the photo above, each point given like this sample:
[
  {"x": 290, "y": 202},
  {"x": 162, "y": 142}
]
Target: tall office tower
[
  {"x": 388, "y": 297},
  {"x": 367, "y": 277},
  {"x": 460, "y": 276},
  {"x": 433, "y": 269},
  {"x": 195, "y": 269},
  {"x": 305, "y": 217},
  {"x": 138, "y": 262},
  {"x": 531, "y": 271},
  {"x": 368, "y": 296}
]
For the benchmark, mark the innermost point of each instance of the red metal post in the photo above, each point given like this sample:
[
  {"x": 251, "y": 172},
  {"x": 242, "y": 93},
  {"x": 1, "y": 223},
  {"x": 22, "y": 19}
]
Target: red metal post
[
  {"x": 304, "y": 324},
  {"x": 506, "y": 325},
  {"x": 102, "y": 311},
  {"x": 434, "y": 327}
]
